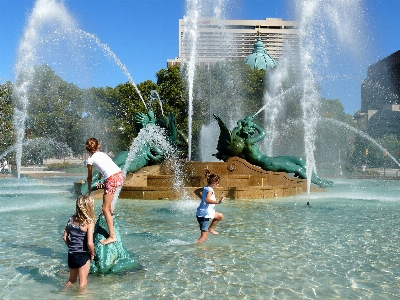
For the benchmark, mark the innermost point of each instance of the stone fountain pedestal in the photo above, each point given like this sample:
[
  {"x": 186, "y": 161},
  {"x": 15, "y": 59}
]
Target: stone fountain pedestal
[{"x": 239, "y": 180}]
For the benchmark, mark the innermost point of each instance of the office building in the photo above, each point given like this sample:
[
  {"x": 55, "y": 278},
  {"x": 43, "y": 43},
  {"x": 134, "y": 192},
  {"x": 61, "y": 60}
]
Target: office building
[
  {"x": 232, "y": 39},
  {"x": 380, "y": 98}
]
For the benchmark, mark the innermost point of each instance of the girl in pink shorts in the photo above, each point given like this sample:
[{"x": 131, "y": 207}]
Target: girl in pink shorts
[{"x": 114, "y": 179}]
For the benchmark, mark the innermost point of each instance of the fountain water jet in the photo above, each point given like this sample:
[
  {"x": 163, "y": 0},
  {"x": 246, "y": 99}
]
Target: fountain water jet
[
  {"x": 195, "y": 11},
  {"x": 45, "y": 13},
  {"x": 158, "y": 139},
  {"x": 362, "y": 134},
  {"x": 191, "y": 36},
  {"x": 319, "y": 25},
  {"x": 109, "y": 53},
  {"x": 339, "y": 124},
  {"x": 48, "y": 19},
  {"x": 154, "y": 95}
]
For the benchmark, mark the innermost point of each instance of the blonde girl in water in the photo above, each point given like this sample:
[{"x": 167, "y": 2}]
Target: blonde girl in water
[
  {"x": 206, "y": 209},
  {"x": 78, "y": 236},
  {"x": 113, "y": 179}
]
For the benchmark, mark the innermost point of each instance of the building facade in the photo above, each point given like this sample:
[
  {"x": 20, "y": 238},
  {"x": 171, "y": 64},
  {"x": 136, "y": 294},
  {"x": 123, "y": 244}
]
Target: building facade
[
  {"x": 380, "y": 98},
  {"x": 232, "y": 39}
]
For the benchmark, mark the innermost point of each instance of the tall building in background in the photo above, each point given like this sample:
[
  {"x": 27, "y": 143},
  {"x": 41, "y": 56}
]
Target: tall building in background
[
  {"x": 380, "y": 98},
  {"x": 232, "y": 39}
]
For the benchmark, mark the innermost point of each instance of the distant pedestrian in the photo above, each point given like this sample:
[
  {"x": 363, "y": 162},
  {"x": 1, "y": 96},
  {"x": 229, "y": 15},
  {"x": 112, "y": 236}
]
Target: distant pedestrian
[
  {"x": 5, "y": 169},
  {"x": 363, "y": 168}
]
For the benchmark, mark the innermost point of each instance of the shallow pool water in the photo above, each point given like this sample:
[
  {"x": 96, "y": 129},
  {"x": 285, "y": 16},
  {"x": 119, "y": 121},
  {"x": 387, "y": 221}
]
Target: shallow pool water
[{"x": 344, "y": 246}]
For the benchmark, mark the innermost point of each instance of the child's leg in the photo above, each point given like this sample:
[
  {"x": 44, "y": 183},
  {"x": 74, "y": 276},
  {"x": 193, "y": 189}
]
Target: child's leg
[
  {"x": 73, "y": 275},
  {"x": 203, "y": 223},
  {"x": 107, "y": 202},
  {"x": 83, "y": 274},
  {"x": 203, "y": 236},
  {"x": 218, "y": 217}
]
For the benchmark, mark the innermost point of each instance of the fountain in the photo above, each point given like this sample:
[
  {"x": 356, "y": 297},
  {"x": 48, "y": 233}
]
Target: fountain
[
  {"x": 196, "y": 10},
  {"x": 268, "y": 248}
]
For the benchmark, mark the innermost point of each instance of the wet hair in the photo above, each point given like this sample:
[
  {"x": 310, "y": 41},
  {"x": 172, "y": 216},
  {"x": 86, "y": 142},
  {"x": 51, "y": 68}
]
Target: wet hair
[
  {"x": 85, "y": 210},
  {"x": 92, "y": 145},
  {"x": 211, "y": 178}
]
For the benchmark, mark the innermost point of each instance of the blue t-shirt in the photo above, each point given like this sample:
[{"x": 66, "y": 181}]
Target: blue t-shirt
[{"x": 206, "y": 210}]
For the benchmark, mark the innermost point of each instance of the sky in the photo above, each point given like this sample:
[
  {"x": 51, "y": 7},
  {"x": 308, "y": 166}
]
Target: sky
[{"x": 143, "y": 34}]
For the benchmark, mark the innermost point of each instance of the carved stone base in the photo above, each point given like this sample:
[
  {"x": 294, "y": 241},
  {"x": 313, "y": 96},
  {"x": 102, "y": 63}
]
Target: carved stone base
[{"x": 239, "y": 180}]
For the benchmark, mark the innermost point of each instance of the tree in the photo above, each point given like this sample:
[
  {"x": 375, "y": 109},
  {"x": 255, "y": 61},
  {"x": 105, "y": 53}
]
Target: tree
[
  {"x": 6, "y": 117},
  {"x": 127, "y": 103},
  {"x": 55, "y": 108},
  {"x": 38, "y": 149},
  {"x": 171, "y": 88}
]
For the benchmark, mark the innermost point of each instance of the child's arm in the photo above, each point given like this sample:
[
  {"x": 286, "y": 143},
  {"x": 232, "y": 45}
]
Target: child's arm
[
  {"x": 89, "y": 178},
  {"x": 65, "y": 236},
  {"x": 198, "y": 192},
  {"x": 90, "y": 243},
  {"x": 209, "y": 201}
]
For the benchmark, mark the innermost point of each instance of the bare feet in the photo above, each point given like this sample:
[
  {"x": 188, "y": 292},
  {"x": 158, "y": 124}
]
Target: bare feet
[
  {"x": 108, "y": 240},
  {"x": 213, "y": 231}
]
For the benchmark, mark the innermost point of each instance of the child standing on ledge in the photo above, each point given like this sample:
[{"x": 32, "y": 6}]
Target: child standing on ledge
[
  {"x": 113, "y": 179},
  {"x": 206, "y": 209},
  {"x": 78, "y": 236}
]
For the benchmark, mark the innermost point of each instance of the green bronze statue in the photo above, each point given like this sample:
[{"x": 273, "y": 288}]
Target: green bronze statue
[
  {"x": 113, "y": 257},
  {"x": 242, "y": 142},
  {"x": 150, "y": 154}
]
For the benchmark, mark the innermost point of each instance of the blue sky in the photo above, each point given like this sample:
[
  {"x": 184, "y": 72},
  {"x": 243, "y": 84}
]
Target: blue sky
[{"x": 143, "y": 34}]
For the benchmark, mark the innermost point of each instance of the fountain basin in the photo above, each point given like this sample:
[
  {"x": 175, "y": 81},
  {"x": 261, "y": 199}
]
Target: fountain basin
[{"x": 239, "y": 180}]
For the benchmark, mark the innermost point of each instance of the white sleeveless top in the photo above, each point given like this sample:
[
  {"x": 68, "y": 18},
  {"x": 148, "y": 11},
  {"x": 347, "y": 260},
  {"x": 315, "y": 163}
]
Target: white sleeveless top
[{"x": 104, "y": 164}]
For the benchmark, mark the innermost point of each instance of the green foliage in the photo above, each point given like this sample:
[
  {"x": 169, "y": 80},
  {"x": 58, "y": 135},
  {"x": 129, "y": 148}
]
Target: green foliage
[
  {"x": 127, "y": 103},
  {"x": 6, "y": 117},
  {"x": 39, "y": 149},
  {"x": 381, "y": 157},
  {"x": 66, "y": 167},
  {"x": 63, "y": 112},
  {"x": 55, "y": 107},
  {"x": 171, "y": 88}
]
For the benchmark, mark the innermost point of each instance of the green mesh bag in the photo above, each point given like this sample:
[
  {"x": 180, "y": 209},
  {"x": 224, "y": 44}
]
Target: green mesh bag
[{"x": 113, "y": 257}]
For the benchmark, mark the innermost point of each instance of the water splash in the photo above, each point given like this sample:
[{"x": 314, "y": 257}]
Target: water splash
[
  {"x": 39, "y": 148},
  {"x": 153, "y": 136},
  {"x": 45, "y": 15},
  {"x": 340, "y": 124},
  {"x": 9, "y": 150}
]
